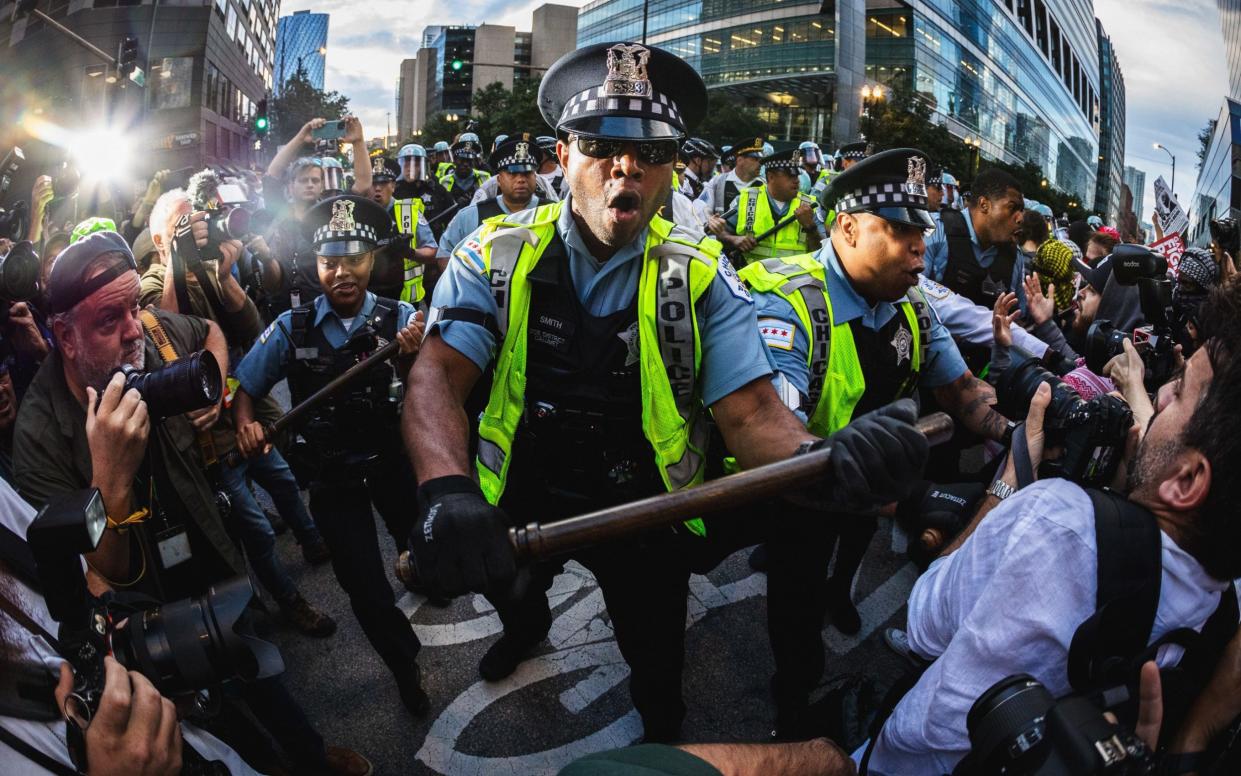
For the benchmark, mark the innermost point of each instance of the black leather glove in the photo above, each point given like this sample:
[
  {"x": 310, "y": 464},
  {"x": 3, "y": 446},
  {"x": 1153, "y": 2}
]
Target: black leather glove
[
  {"x": 460, "y": 543},
  {"x": 876, "y": 459}
]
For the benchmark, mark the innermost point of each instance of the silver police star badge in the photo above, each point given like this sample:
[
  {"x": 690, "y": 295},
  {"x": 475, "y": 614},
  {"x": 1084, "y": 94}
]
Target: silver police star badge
[
  {"x": 627, "y": 75},
  {"x": 915, "y": 184},
  {"x": 902, "y": 342},
  {"x": 342, "y": 216},
  {"x": 630, "y": 338}
]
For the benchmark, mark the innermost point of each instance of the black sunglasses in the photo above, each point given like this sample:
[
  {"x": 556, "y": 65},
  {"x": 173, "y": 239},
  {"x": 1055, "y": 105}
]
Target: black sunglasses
[{"x": 649, "y": 151}]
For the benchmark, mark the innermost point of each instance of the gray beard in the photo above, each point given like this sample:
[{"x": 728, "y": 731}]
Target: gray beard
[{"x": 97, "y": 373}]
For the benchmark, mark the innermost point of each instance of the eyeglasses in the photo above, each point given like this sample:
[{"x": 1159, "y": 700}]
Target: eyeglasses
[{"x": 649, "y": 151}]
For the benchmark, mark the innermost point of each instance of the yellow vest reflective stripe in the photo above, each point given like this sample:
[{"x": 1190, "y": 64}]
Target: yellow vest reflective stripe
[
  {"x": 836, "y": 378},
  {"x": 754, "y": 216},
  {"x": 676, "y": 272},
  {"x": 442, "y": 169},
  {"x": 406, "y": 213}
]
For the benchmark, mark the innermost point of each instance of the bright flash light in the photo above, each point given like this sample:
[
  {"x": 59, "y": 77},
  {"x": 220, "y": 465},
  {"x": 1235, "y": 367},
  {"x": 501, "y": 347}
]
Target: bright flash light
[{"x": 101, "y": 155}]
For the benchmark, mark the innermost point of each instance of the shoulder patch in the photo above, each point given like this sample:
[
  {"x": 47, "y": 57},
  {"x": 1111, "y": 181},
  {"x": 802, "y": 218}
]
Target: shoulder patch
[
  {"x": 267, "y": 333},
  {"x": 936, "y": 290},
  {"x": 471, "y": 252},
  {"x": 733, "y": 282},
  {"x": 776, "y": 333}
]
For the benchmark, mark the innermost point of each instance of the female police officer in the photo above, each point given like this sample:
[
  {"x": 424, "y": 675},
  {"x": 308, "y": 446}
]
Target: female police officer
[{"x": 354, "y": 448}]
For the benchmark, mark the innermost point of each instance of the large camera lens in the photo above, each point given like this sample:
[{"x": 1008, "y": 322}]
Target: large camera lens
[
  {"x": 1103, "y": 343},
  {"x": 230, "y": 224},
  {"x": 1017, "y": 385},
  {"x": 185, "y": 385},
  {"x": 19, "y": 273},
  {"x": 197, "y": 643},
  {"x": 1007, "y": 726}
]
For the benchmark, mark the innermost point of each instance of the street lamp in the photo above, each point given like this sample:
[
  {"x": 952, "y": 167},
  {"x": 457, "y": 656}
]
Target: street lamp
[
  {"x": 975, "y": 146},
  {"x": 1161, "y": 147}
]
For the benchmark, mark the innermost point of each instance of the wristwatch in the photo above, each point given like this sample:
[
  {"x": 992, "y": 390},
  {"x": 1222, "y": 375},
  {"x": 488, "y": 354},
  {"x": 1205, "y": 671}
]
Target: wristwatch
[
  {"x": 1007, "y": 438},
  {"x": 1001, "y": 490}
]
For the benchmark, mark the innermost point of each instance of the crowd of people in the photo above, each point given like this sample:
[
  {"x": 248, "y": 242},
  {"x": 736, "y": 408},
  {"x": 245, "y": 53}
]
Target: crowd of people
[{"x": 476, "y": 337}]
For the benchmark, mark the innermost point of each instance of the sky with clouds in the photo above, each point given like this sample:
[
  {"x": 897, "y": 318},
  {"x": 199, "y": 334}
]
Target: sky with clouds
[{"x": 1171, "y": 55}]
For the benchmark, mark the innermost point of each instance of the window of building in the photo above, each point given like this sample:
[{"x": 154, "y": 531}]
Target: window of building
[
  {"x": 221, "y": 7},
  {"x": 1057, "y": 47},
  {"x": 1025, "y": 14},
  {"x": 171, "y": 83},
  {"x": 1040, "y": 23},
  {"x": 230, "y": 26}
]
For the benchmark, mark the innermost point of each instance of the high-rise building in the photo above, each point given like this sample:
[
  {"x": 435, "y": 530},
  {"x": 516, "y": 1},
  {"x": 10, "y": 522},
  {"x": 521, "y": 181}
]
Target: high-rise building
[
  {"x": 1230, "y": 23},
  {"x": 987, "y": 68},
  {"x": 1218, "y": 188},
  {"x": 1135, "y": 179},
  {"x": 1111, "y": 131},
  {"x": 458, "y": 60},
  {"x": 208, "y": 66},
  {"x": 301, "y": 44}
]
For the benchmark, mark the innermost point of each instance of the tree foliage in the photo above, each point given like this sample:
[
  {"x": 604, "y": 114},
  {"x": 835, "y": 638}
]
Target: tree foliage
[
  {"x": 494, "y": 110},
  {"x": 298, "y": 102},
  {"x": 726, "y": 121},
  {"x": 904, "y": 120},
  {"x": 1204, "y": 142}
]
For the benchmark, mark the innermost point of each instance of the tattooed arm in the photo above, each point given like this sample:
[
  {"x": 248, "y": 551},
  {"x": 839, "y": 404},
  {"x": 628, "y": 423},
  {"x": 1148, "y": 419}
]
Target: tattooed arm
[{"x": 971, "y": 401}]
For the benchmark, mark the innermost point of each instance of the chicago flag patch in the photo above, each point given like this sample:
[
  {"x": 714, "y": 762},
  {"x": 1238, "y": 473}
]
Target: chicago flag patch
[{"x": 776, "y": 333}]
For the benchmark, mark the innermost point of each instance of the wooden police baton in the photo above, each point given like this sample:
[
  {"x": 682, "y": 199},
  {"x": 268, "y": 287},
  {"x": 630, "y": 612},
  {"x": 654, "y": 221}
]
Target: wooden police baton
[
  {"x": 539, "y": 541},
  {"x": 312, "y": 402}
]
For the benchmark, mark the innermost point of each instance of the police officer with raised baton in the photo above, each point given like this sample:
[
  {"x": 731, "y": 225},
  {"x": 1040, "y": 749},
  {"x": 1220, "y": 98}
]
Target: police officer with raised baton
[{"x": 607, "y": 332}]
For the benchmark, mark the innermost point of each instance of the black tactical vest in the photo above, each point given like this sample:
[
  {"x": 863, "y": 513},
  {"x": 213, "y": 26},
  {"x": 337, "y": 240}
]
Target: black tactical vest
[
  {"x": 489, "y": 208},
  {"x": 363, "y": 417},
  {"x": 964, "y": 275},
  {"x": 580, "y": 442}
]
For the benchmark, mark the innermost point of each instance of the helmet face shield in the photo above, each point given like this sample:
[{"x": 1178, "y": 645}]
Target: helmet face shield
[{"x": 414, "y": 168}]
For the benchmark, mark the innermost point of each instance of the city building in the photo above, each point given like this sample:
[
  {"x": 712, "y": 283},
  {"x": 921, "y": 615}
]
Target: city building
[
  {"x": 1135, "y": 179},
  {"x": 1230, "y": 23},
  {"x": 1111, "y": 171},
  {"x": 301, "y": 43},
  {"x": 1020, "y": 76},
  {"x": 206, "y": 67},
  {"x": 446, "y": 72},
  {"x": 1218, "y": 191}
]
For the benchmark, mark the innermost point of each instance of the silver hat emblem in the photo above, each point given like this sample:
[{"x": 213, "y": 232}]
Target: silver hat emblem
[
  {"x": 522, "y": 154},
  {"x": 915, "y": 184},
  {"x": 627, "y": 71},
  {"x": 797, "y": 158},
  {"x": 342, "y": 216}
]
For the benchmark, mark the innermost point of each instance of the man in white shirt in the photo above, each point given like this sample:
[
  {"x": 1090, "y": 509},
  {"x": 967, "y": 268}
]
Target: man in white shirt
[{"x": 1007, "y": 596}]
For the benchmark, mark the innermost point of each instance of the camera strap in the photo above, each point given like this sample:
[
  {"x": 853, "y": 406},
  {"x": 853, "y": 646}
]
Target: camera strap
[
  {"x": 168, "y": 352},
  {"x": 183, "y": 248},
  {"x": 43, "y": 760}
]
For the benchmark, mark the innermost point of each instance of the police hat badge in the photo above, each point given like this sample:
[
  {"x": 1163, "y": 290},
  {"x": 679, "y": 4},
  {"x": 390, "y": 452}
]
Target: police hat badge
[{"x": 342, "y": 216}]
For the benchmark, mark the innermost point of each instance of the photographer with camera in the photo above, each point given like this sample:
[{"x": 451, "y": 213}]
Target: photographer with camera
[
  {"x": 95, "y": 418},
  {"x": 1023, "y": 582},
  {"x": 183, "y": 236},
  {"x": 133, "y": 730}
]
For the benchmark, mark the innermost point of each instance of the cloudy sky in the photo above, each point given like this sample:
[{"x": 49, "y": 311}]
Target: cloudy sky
[{"x": 1170, "y": 53}]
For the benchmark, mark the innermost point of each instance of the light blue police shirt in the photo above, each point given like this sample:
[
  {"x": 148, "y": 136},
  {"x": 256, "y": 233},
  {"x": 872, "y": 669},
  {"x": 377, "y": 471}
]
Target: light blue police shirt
[
  {"x": 464, "y": 223},
  {"x": 936, "y": 257},
  {"x": 268, "y": 360},
  {"x": 732, "y": 352},
  {"x": 941, "y": 363}
]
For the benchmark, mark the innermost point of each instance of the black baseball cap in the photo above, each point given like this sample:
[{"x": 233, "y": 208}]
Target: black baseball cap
[{"x": 67, "y": 284}]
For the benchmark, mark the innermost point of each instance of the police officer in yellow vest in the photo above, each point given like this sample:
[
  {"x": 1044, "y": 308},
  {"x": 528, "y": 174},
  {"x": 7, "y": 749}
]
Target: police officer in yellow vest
[
  {"x": 778, "y": 203},
  {"x": 607, "y": 333},
  {"x": 462, "y": 180},
  {"x": 848, "y": 331}
]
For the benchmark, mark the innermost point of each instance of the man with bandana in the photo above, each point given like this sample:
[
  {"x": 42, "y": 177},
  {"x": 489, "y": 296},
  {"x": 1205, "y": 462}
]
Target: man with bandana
[{"x": 607, "y": 333}]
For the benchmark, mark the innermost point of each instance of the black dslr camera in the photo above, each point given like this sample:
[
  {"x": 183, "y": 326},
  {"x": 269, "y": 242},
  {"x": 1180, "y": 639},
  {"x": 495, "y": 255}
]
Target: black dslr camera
[
  {"x": 1226, "y": 235},
  {"x": 228, "y": 219},
  {"x": 1092, "y": 433},
  {"x": 1136, "y": 265},
  {"x": 185, "y": 648},
  {"x": 185, "y": 385},
  {"x": 1017, "y": 728},
  {"x": 19, "y": 275}
]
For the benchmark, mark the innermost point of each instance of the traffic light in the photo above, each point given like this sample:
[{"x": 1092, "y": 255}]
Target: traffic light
[
  {"x": 261, "y": 123},
  {"x": 457, "y": 64},
  {"x": 127, "y": 56}
]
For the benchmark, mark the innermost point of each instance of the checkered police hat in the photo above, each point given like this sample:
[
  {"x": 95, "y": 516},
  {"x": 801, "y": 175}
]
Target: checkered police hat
[
  {"x": 890, "y": 184},
  {"x": 518, "y": 153},
  {"x": 789, "y": 161},
  {"x": 624, "y": 91},
  {"x": 347, "y": 225}
]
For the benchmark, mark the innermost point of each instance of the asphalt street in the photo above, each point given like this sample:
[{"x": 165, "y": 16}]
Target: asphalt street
[{"x": 571, "y": 699}]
